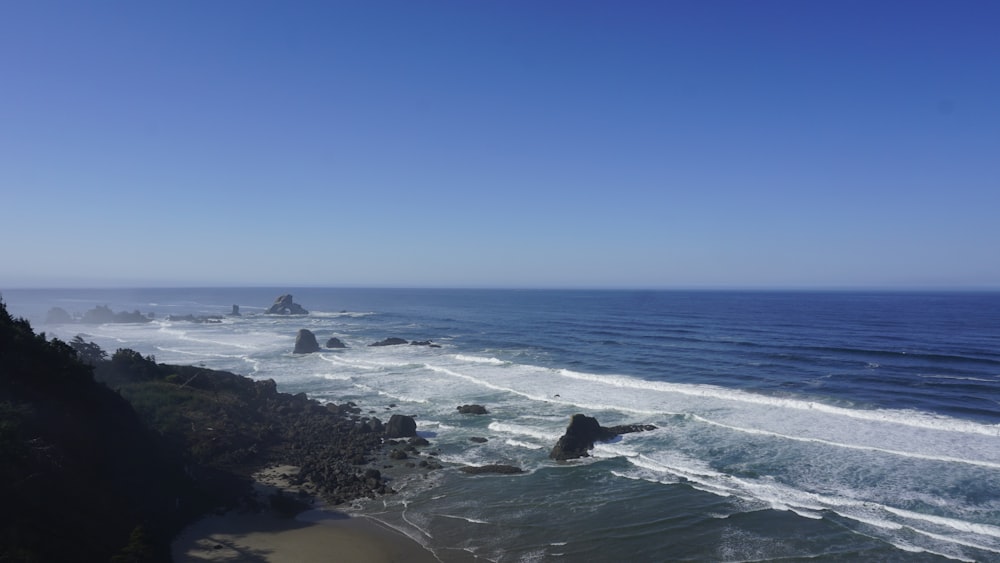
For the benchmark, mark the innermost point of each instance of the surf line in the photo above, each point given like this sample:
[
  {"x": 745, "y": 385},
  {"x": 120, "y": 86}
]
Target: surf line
[{"x": 949, "y": 459}]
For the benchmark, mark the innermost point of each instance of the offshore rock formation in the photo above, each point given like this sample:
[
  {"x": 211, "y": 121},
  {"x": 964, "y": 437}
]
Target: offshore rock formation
[
  {"x": 583, "y": 431},
  {"x": 100, "y": 314},
  {"x": 472, "y": 409},
  {"x": 389, "y": 342},
  {"x": 58, "y": 315},
  {"x": 305, "y": 342},
  {"x": 284, "y": 305},
  {"x": 334, "y": 342}
]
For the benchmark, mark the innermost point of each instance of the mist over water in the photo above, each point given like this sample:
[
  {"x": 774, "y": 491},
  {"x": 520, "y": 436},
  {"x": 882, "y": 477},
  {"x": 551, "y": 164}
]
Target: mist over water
[{"x": 790, "y": 425}]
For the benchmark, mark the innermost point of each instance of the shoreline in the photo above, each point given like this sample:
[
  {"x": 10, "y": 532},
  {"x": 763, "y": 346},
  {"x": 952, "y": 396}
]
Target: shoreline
[
  {"x": 318, "y": 534},
  {"x": 312, "y": 536}
]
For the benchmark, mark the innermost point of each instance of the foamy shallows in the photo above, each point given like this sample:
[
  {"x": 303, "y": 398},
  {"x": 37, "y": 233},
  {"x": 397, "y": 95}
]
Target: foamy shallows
[{"x": 850, "y": 467}]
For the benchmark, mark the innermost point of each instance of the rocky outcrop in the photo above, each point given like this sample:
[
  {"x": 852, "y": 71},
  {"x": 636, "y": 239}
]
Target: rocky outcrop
[
  {"x": 236, "y": 311},
  {"x": 103, "y": 314},
  {"x": 58, "y": 315},
  {"x": 472, "y": 409},
  {"x": 305, "y": 342},
  {"x": 284, "y": 305},
  {"x": 400, "y": 426},
  {"x": 424, "y": 343},
  {"x": 389, "y": 342},
  {"x": 583, "y": 431},
  {"x": 100, "y": 314},
  {"x": 335, "y": 343}
]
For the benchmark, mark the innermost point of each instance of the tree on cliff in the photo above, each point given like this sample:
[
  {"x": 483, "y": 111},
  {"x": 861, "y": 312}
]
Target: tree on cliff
[
  {"x": 88, "y": 352},
  {"x": 78, "y": 469}
]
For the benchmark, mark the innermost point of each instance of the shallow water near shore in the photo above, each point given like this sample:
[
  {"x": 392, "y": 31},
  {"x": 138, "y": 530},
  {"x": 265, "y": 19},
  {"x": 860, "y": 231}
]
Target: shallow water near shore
[{"x": 832, "y": 426}]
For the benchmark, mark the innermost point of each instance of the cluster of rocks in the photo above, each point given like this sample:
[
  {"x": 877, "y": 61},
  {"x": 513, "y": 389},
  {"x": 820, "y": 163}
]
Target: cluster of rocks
[
  {"x": 306, "y": 342},
  {"x": 101, "y": 314}
]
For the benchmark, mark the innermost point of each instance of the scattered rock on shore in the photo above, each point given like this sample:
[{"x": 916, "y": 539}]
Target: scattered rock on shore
[{"x": 401, "y": 426}]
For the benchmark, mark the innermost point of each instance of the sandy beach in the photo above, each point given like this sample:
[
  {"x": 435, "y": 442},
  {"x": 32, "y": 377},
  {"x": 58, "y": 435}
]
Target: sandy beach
[{"x": 311, "y": 536}]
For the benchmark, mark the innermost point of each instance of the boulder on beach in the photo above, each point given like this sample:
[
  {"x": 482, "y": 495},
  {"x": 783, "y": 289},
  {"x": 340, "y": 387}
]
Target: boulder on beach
[
  {"x": 305, "y": 342},
  {"x": 284, "y": 305},
  {"x": 389, "y": 342},
  {"x": 334, "y": 342},
  {"x": 472, "y": 409},
  {"x": 583, "y": 431},
  {"x": 401, "y": 426}
]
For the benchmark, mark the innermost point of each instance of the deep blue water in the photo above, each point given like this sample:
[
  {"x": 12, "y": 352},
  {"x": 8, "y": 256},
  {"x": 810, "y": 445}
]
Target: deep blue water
[{"x": 829, "y": 425}]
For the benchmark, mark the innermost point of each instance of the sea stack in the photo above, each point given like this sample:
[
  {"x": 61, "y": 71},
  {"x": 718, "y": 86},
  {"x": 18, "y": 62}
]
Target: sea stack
[
  {"x": 305, "y": 342},
  {"x": 284, "y": 305},
  {"x": 583, "y": 431}
]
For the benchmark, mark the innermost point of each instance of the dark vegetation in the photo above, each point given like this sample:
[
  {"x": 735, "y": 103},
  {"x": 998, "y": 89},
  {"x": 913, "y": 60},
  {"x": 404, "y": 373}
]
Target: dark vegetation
[{"x": 106, "y": 459}]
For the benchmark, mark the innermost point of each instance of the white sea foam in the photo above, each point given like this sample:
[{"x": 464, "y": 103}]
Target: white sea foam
[
  {"x": 523, "y": 444},
  {"x": 519, "y": 430},
  {"x": 812, "y": 505},
  {"x": 905, "y": 417},
  {"x": 479, "y": 360},
  {"x": 915, "y": 455}
]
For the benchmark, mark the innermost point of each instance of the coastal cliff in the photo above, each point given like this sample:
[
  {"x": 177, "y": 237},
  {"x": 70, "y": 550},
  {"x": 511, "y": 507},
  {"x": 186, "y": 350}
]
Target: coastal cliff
[{"x": 108, "y": 459}]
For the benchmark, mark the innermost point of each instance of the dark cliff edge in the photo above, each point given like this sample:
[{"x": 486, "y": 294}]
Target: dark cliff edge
[{"x": 107, "y": 460}]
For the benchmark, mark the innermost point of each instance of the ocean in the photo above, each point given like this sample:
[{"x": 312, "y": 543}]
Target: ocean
[{"x": 822, "y": 426}]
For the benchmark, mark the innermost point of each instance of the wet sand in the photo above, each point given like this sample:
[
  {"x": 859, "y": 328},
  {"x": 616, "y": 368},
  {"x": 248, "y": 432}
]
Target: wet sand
[{"x": 311, "y": 536}]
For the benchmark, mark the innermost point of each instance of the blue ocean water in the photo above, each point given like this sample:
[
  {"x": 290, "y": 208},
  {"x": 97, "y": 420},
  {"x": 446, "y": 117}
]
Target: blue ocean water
[{"x": 791, "y": 425}]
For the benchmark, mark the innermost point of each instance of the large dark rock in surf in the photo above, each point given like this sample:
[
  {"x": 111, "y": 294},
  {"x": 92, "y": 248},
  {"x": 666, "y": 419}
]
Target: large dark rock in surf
[
  {"x": 583, "y": 431},
  {"x": 284, "y": 305},
  {"x": 335, "y": 343},
  {"x": 495, "y": 468},
  {"x": 400, "y": 426},
  {"x": 305, "y": 342},
  {"x": 389, "y": 342},
  {"x": 472, "y": 409}
]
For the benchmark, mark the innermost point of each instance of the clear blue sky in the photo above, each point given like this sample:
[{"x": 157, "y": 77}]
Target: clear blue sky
[{"x": 500, "y": 143}]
